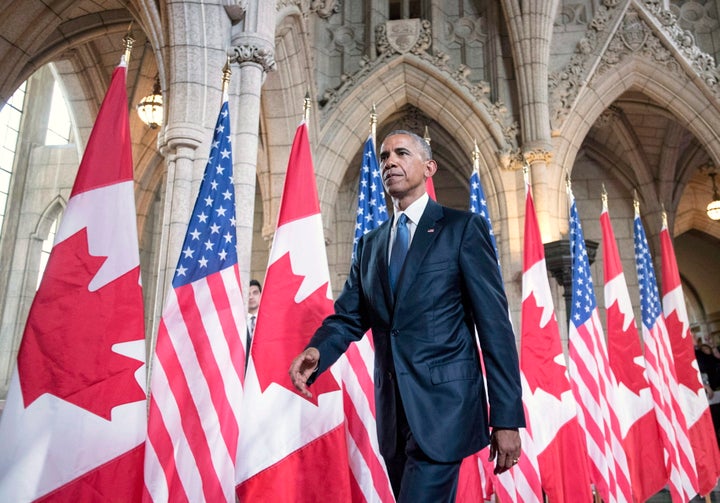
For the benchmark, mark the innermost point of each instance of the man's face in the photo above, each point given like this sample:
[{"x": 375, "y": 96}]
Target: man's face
[
  {"x": 404, "y": 167},
  {"x": 253, "y": 298}
]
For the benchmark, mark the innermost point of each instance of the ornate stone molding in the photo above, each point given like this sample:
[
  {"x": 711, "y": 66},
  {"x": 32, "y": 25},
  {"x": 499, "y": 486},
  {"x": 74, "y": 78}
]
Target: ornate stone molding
[
  {"x": 417, "y": 44},
  {"x": 684, "y": 41},
  {"x": 634, "y": 37},
  {"x": 564, "y": 85},
  {"x": 253, "y": 50},
  {"x": 325, "y": 8},
  {"x": 637, "y": 37}
]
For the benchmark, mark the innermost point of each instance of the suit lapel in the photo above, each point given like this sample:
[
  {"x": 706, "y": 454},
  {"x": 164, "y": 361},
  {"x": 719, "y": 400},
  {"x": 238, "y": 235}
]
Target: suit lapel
[{"x": 428, "y": 227}]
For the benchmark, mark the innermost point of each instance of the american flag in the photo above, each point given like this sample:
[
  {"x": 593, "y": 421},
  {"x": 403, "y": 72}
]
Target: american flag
[
  {"x": 366, "y": 463},
  {"x": 522, "y": 482},
  {"x": 661, "y": 374},
  {"x": 371, "y": 211},
  {"x": 197, "y": 374},
  {"x": 478, "y": 204},
  {"x": 593, "y": 382}
]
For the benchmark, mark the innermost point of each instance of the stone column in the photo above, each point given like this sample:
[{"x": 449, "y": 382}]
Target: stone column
[
  {"x": 531, "y": 30},
  {"x": 253, "y": 49}
]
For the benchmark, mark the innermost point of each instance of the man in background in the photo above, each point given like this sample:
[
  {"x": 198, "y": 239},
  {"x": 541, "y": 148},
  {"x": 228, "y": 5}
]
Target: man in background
[{"x": 254, "y": 294}]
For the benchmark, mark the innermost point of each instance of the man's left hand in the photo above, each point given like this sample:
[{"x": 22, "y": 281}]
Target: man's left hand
[{"x": 505, "y": 446}]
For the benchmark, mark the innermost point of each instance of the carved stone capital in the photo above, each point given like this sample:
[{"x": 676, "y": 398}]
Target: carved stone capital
[
  {"x": 538, "y": 154},
  {"x": 249, "y": 49}
]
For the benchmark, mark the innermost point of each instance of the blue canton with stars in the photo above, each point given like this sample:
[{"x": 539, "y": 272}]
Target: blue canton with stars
[
  {"x": 649, "y": 295},
  {"x": 210, "y": 242},
  {"x": 583, "y": 294},
  {"x": 478, "y": 204},
  {"x": 371, "y": 210}
]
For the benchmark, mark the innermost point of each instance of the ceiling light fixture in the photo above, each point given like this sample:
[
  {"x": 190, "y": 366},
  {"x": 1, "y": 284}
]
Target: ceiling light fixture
[
  {"x": 150, "y": 109},
  {"x": 713, "y": 209}
]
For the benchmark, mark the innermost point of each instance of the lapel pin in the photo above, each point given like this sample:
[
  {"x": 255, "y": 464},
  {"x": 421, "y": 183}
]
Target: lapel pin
[{"x": 431, "y": 230}]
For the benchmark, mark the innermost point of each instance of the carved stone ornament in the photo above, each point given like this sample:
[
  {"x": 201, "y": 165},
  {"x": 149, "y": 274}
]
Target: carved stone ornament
[
  {"x": 633, "y": 33},
  {"x": 404, "y": 35},
  {"x": 251, "y": 52},
  {"x": 325, "y": 8}
]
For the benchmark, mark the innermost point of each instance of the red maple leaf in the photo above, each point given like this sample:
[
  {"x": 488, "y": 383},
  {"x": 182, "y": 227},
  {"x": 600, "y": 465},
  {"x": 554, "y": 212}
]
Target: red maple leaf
[
  {"x": 284, "y": 328},
  {"x": 623, "y": 348},
  {"x": 539, "y": 348},
  {"x": 66, "y": 348},
  {"x": 683, "y": 353}
]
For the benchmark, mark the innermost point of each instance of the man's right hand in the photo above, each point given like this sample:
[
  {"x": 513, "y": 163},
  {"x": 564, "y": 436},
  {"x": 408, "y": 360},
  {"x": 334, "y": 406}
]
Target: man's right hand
[{"x": 302, "y": 368}]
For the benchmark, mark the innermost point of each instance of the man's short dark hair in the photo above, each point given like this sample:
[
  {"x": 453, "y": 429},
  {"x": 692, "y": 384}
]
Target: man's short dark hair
[
  {"x": 419, "y": 141},
  {"x": 254, "y": 282}
]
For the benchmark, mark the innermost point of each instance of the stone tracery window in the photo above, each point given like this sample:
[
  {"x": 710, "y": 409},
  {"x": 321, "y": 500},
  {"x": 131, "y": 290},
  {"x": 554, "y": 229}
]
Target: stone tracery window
[{"x": 10, "y": 115}]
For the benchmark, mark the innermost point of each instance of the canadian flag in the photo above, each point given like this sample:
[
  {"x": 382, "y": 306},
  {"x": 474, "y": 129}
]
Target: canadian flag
[
  {"x": 692, "y": 394},
  {"x": 292, "y": 449},
  {"x": 635, "y": 410},
  {"x": 74, "y": 423},
  {"x": 557, "y": 438}
]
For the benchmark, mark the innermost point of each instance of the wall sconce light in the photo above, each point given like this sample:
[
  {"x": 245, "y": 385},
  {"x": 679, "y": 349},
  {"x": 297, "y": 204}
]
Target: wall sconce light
[
  {"x": 713, "y": 209},
  {"x": 150, "y": 109}
]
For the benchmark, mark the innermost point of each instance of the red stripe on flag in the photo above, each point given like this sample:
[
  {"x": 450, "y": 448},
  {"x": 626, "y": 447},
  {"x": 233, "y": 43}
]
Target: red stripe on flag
[
  {"x": 162, "y": 444},
  {"x": 191, "y": 422},
  {"x": 361, "y": 436},
  {"x": 188, "y": 297}
]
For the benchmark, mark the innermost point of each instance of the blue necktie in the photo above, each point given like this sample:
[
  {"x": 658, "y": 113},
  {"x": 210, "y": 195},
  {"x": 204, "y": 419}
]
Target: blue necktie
[{"x": 399, "y": 250}]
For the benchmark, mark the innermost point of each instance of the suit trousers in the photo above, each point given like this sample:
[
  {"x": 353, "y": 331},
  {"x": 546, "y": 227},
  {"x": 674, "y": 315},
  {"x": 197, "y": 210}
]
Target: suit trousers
[{"x": 414, "y": 477}]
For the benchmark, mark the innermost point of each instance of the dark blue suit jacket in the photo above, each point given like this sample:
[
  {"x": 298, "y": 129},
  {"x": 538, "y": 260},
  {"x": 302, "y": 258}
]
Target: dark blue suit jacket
[{"x": 425, "y": 337}]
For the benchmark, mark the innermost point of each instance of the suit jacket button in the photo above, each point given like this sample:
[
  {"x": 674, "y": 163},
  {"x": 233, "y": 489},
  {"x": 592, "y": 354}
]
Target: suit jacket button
[{"x": 394, "y": 332}]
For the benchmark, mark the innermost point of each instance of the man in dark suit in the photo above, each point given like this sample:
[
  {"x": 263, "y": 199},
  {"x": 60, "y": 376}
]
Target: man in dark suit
[{"x": 429, "y": 388}]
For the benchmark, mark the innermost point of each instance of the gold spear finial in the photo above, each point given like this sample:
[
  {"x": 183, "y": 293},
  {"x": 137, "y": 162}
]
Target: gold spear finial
[
  {"x": 604, "y": 197},
  {"x": 636, "y": 202},
  {"x": 568, "y": 183},
  {"x": 373, "y": 123},
  {"x": 476, "y": 156},
  {"x": 128, "y": 42},
  {"x": 227, "y": 72},
  {"x": 306, "y": 107},
  {"x": 526, "y": 173},
  {"x": 663, "y": 216},
  {"x": 426, "y": 136}
]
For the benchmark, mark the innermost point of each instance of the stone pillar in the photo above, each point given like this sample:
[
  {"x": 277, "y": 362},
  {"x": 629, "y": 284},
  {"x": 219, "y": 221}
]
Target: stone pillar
[
  {"x": 253, "y": 49},
  {"x": 531, "y": 30}
]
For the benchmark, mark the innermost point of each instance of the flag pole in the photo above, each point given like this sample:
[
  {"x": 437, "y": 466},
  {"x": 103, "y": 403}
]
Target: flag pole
[
  {"x": 306, "y": 107},
  {"x": 128, "y": 42},
  {"x": 373, "y": 124}
]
